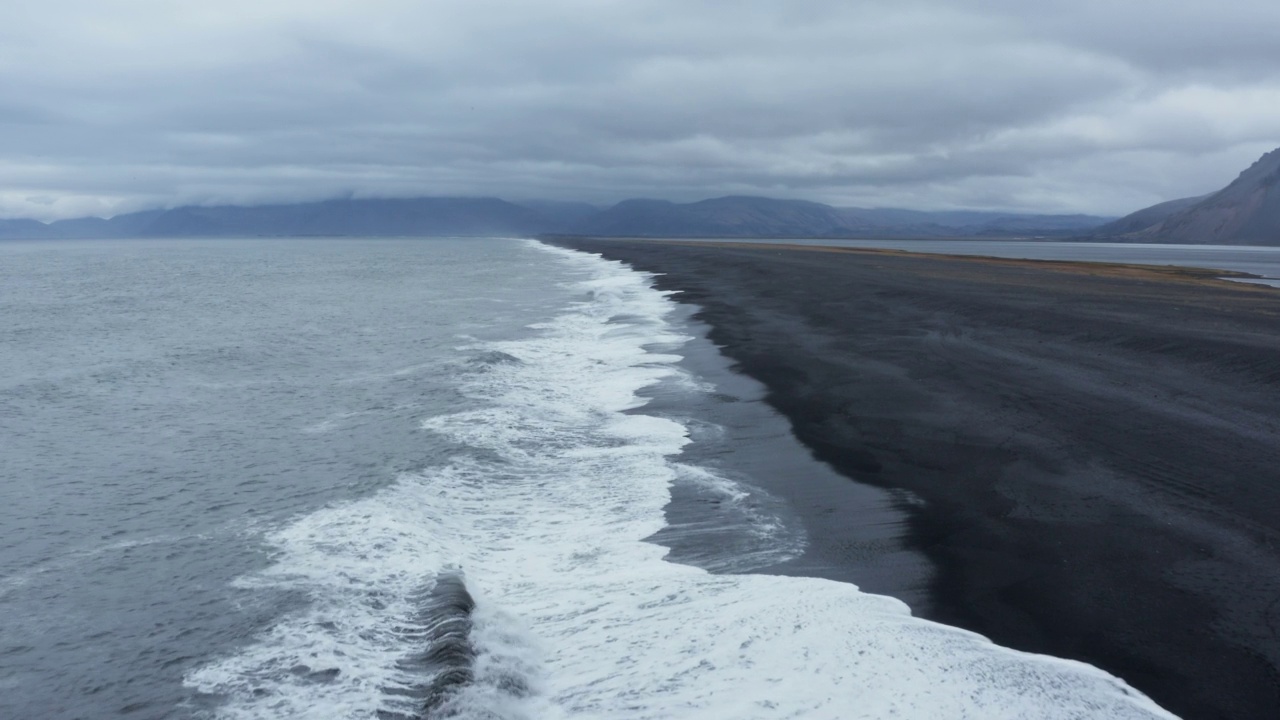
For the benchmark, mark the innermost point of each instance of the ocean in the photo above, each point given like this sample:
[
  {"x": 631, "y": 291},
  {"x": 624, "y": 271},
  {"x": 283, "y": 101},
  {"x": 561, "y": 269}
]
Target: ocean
[{"x": 412, "y": 478}]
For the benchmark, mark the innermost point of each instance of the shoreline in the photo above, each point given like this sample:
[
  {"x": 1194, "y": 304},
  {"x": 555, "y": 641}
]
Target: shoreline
[
  {"x": 852, "y": 532},
  {"x": 1095, "y": 448}
]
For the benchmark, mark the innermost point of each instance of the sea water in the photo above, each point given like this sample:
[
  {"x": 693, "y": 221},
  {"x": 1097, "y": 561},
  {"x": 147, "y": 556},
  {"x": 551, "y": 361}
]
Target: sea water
[{"x": 415, "y": 478}]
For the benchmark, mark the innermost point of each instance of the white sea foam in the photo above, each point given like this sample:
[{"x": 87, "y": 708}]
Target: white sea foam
[{"x": 546, "y": 510}]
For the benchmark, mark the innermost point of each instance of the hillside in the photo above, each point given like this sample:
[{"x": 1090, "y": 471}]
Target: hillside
[
  {"x": 1146, "y": 217},
  {"x": 1246, "y": 212}
]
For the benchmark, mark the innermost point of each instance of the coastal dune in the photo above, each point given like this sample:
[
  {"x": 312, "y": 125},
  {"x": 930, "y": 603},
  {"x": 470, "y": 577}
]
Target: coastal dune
[{"x": 1089, "y": 453}]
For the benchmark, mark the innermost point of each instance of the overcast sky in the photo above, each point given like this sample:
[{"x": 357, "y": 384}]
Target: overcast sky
[{"x": 1099, "y": 106}]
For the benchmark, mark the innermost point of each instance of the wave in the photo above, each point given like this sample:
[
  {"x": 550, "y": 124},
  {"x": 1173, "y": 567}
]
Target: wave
[{"x": 558, "y": 478}]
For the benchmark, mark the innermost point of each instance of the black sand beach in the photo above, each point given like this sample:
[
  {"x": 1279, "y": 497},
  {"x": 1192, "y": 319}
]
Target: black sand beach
[{"x": 1091, "y": 452}]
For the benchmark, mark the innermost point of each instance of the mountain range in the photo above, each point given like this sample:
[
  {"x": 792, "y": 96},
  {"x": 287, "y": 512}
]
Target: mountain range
[
  {"x": 736, "y": 216},
  {"x": 1246, "y": 212}
]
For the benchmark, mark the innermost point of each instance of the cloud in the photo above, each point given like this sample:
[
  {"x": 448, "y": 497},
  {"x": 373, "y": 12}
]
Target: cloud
[{"x": 1057, "y": 106}]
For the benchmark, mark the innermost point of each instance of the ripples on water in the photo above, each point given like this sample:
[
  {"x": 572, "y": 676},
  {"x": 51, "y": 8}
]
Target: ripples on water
[{"x": 165, "y": 404}]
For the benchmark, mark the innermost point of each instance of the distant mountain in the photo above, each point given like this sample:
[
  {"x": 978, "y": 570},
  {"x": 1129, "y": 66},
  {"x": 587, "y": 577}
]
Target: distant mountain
[
  {"x": 407, "y": 217},
  {"x": 735, "y": 216},
  {"x": 120, "y": 226},
  {"x": 727, "y": 217},
  {"x": 741, "y": 216},
  {"x": 561, "y": 216},
  {"x": 419, "y": 216},
  {"x": 895, "y": 217},
  {"x": 1246, "y": 212},
  {"x": 23, "y": 229},
  {"x": 1040, "y": 225},
  {"x": 973, "y": 222}
]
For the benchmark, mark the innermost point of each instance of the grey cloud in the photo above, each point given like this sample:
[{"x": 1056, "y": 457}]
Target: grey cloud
[
  {"x": 118, "y": 106},
  {"x": 1222, "y": 42}
]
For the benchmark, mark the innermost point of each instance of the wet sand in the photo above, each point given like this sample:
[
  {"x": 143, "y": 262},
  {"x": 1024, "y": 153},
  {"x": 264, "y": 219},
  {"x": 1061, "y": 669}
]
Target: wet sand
[{"x": 1089, "y": 454}]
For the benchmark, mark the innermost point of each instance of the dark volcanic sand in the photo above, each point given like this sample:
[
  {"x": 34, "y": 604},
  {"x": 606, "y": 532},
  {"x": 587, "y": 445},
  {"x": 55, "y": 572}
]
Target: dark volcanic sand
[{"x": 1097, "y": 448}]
